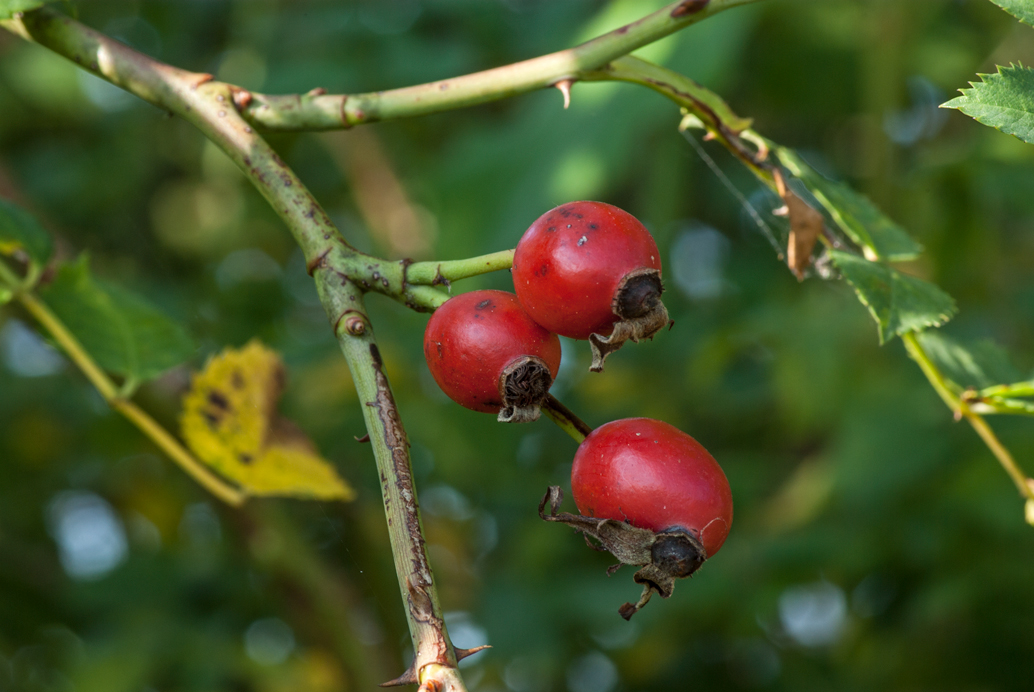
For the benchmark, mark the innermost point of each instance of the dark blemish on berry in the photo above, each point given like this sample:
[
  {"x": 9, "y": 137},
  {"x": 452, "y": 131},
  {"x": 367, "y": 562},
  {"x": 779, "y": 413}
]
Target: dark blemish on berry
[
  {"x": 582, "y": 240},
  {"x": 593, "y": 227},
  {"x": 578, "y": 216},
  {"x": 483, "y": 304},
  {"x": 218, "y": 400},
  {"x": 244, "y": 458},
  {"x": 211, "y": 418},
  {"x": 542, "y": 271},
  {"x": 551, "y": 229},
  {"x": 237, "y": 379},
  {"x": 564, "y": 212}
]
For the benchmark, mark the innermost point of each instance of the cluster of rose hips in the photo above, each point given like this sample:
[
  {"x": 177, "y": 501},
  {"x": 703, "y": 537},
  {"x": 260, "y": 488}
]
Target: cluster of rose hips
[{"x": 647, "y": 492}]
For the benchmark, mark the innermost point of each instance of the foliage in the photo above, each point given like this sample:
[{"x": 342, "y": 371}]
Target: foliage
[
  {"x": 230, "y": 422},
  {"x": 124, "y": 332},
  {"x": 1004, "y": 101},
  {"x": 898, "y": 302},
  {"x": 1021, "y": 9},
  {"x": 853, "y": 491}
]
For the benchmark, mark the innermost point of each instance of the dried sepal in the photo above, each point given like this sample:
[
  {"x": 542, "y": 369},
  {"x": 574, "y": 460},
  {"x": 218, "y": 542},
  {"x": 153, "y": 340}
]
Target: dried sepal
[
  {"x": 663, "y": 557},
  {"x": 637, "y": 304},
  {"x": 523, "y": 385}
]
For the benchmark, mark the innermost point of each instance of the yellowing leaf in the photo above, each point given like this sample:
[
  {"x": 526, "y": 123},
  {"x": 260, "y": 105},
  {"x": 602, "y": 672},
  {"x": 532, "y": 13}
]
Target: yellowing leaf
[{"x": 230, "y": 422}]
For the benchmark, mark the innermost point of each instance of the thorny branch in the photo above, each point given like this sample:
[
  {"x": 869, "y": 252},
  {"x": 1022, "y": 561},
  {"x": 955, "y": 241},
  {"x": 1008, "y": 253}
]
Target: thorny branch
[{"x": 227, "y": 115}]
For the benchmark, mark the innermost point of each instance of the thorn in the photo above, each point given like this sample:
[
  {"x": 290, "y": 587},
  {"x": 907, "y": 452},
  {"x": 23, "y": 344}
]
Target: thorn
[
  {"x": 463, "y": 653},
  {"x": 200, "y": 79},
  {"x": 407, "y": 678},
  {"x": 241, "y": 98},
  {"x": 564, "y": 85},
  {"x": 364, "y": 438}
]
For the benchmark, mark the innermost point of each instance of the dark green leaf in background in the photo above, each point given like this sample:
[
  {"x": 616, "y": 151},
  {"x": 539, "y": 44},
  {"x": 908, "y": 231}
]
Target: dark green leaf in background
[
  {"x": 854, "y": 213},
  {"x": 1021, "y": 9},
  {"x": 977, "y": 364},
  {"x": 899, "y": 303},
  {"x": 20, "y": 230},
  {"x": 122, "y": 331},
  {"x": 1004, "y": 101},
  {"x": 9, "y": 7}
]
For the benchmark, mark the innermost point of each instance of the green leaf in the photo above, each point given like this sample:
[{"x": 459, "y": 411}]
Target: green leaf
[
  {"x": 122, "y": 331},
  {"x": 8, "y": 8},
  {"x": 1004, "y": 101},
  {"x": 1021, "y": 9},
  {"x": 855, "y": 214},
  {"x": 19, "y": 230},
  {"x": 899, "y": 303},
  {"x": 977, "y": 364}
]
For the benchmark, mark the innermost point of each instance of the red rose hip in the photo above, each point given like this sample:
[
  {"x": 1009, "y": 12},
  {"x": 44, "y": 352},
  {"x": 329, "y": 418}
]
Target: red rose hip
[
  {"x": 655, "y": 477},
  {"x": 588, "y": 270},
  {"x": 488, "y": 355}
]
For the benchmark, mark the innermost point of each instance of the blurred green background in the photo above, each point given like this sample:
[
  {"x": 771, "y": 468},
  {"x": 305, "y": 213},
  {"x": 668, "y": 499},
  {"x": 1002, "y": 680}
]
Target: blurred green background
[{"x": 876, "y": 542}]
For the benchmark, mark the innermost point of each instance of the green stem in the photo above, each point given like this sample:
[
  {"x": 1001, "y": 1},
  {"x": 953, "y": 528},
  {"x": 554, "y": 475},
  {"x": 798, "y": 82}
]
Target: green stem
[
  {"x": 1010, "y": 390},
  {"x": 712, "y": 111},
  {"x": 435, "y": 656},
  {"x": 137, "y": 416},
  {"x": 992, "y": 405},
  {"x": 437, "y": 273},
  {"x": 320, "y": 111},
  {"x": 566, "y": 419},
  {"x": 962, "y": 409}
]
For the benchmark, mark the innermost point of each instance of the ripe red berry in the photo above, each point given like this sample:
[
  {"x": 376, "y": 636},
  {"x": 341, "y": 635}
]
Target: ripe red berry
[
  {"x": 656, "y": 477},
  {"x": 588, "y": 270},
  {"x": 488, "y": 355}
]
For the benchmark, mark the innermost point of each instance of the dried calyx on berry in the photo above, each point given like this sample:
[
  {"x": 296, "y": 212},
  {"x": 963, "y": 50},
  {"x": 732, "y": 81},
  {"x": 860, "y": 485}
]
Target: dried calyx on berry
[
  {"x": 523, "y": 386},
  {"x": 651, "y": 495},
  {"x": 664, "y": 556},
  {"x": 637, "y": 304}
]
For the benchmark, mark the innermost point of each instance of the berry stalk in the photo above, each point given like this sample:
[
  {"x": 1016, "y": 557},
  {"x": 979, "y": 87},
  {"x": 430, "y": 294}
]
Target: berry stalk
[
  {"x": 442, "y": 273},
  {"x": 566, "y": 419}
]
